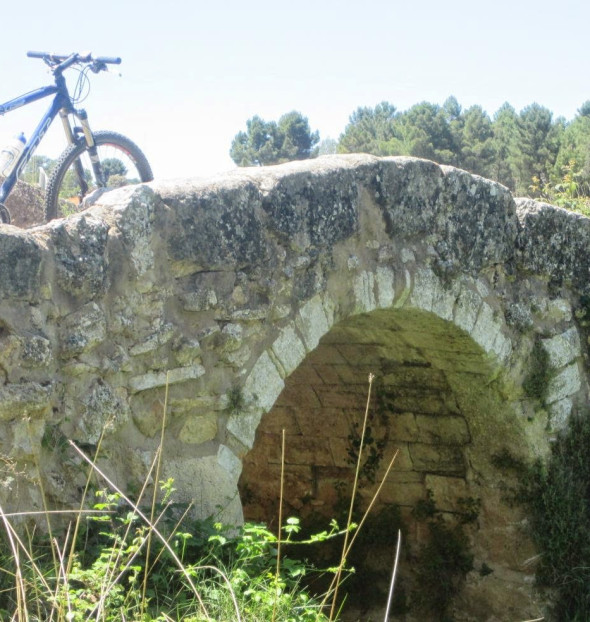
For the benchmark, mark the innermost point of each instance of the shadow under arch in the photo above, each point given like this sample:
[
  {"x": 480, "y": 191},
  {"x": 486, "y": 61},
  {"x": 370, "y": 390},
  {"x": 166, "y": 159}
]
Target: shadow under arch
[{"x": 439, "y": 400}]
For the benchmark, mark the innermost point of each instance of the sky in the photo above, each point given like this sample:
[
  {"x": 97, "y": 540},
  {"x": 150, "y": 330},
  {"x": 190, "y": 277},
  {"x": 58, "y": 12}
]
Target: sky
[{"x": 194, "y": 72}]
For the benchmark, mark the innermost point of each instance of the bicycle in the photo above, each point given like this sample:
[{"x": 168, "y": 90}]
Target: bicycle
[{"x": 93, "y": 161}]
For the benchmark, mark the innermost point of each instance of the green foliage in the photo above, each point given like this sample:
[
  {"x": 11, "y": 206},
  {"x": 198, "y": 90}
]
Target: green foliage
[
  {"x": 232, "y": 567},
  {"x": 269, "y": 142},
  {"x": 536, "y": 381},
  {"x": 527, "y": 151},
  {"x": 235, "y": 399},
  {"x": 571, "y": 191},
  {"x": 370, "y": 130},
  {"x": 556, "y": 495},
  {"x": 445, "y": 559}
]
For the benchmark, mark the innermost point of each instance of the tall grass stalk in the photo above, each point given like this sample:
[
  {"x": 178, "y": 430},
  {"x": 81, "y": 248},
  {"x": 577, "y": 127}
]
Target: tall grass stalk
[
  {"x": 366, "y": 513},
  {"x": 351, "y": 507},
  {"x": 154, "y": 498},
  {"x": 281, "y": 491},
  {"x": 393, "y": 574}
]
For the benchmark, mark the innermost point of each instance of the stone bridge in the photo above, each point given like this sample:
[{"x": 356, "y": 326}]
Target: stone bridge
[{"x": 233, "y": 309}]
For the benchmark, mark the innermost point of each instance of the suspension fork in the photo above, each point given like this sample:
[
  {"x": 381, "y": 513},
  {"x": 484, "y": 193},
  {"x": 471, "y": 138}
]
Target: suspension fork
[{"x": 72, "y": 135}]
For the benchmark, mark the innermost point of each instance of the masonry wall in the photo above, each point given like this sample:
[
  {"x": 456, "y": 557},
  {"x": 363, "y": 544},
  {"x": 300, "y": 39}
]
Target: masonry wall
[{"x": 263, "y": 299}]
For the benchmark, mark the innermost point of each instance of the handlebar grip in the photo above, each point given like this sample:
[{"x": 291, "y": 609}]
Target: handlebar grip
[
  {"x": 109, "y": 60},
  {"x": 57, "y": 58}
]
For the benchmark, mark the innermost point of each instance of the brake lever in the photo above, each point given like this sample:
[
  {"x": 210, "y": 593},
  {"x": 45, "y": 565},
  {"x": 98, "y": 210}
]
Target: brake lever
[{"x": 97, "y": 66}]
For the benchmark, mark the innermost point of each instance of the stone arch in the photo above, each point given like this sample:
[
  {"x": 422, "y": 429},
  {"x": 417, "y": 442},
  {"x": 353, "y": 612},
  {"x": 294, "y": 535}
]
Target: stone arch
[{"x": 449, "y": 397}]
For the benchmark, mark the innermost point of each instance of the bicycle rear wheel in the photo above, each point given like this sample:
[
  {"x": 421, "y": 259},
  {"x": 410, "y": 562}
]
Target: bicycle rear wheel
[{"x": 122, "y": 161}]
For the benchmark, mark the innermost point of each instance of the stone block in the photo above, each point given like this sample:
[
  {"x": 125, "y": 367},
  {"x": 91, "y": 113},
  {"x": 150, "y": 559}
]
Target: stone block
[
  {"x": 402, "y": 463},
  {"x": 243, "y": 425},
  {"x": 153, "y": 341},
  {"x": 339, "y": 448},
  {"x": 281, "y": 418},
  {"x": 467, "y": 309},
  {"x": 326, "y": 422},
  {"x": 82, "y": 330},
  {"x": 385, "y": 281},
  {"x": 312, "y": 322},
  {"x": 198, "y": 429},
  {"x": 308, "y": 450},
  {"x": 363, "y": 288},
  {"x": 564, "y": 384},
  {"x": 406, "y": 494},
  {"x": 347, "y": 396},
  {"x": 20, "y": 258},
  {"x": 289, "y": 350},
  {"x": 447, "y": 491},
  {"x": 486, "y": 328},
  {"x": 229, "y": 461},
  {"x": 426, "y": 286},
  {"x": 207, "y": 484},
  {"x": 24, "y": 399},
  {"x": 305, "y": 375},
  {"x": 443, "y": 430},
  {"x": 439, "y": 459},
  {"x": 327, "y": 374},
  {"x": 559, "y": 414},
  {"x": 161, "y": 379},
  {"x": 563, "y": 349},
  {"x": 302, "y": 396},
  {"x": 264, "y": 383}
]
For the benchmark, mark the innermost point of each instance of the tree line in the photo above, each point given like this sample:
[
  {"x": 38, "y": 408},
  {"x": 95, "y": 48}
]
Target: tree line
[{"x": 530, "y": 152}]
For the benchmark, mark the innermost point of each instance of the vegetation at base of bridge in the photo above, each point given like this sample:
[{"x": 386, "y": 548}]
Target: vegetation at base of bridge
[
  {"x": 530, "y": 152},
  {"x": 556, "y": 495},
  {"x": 117, "y": 561}
]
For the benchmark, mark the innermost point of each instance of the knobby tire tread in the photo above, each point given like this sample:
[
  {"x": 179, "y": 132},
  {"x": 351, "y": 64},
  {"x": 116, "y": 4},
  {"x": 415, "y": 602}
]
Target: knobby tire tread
[{"x": 74, "y": 150}]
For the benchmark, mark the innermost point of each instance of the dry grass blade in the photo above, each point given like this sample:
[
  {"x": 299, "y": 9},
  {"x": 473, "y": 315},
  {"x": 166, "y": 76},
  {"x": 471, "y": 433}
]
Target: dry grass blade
[
  {"x": 278, "y": 570},
  {"x": 351, "y": 507},
  {"x": 393, "y": 574}
]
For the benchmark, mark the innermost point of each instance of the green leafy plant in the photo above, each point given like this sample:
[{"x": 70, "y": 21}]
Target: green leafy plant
[
  {"x": 536, "y": 381},
  {"x": 557, "y": 495},
  {"x": 445, "y": 559}
]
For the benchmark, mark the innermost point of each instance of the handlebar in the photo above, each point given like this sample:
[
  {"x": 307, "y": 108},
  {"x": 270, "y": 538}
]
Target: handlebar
[{"x": 60, "y": 62}]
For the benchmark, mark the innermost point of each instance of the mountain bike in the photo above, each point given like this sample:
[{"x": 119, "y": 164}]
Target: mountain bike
[{"x": 93, "y": 161}]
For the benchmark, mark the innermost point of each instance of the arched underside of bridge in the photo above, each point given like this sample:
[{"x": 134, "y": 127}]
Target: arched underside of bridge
[{"x": 436, "y": 401}]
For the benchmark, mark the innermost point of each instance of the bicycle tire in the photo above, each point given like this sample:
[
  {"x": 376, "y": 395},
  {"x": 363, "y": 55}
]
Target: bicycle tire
[
  {"x": 4, "y": 215},
  {"x": 64, "y": 194}
]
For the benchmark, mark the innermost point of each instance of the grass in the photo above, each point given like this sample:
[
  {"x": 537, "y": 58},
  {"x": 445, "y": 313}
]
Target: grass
[{"x": 125, "y": 559}]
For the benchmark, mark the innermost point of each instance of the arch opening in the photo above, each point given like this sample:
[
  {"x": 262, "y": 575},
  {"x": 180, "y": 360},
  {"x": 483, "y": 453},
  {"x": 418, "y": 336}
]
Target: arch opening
[{"x": 438, "y": 400}]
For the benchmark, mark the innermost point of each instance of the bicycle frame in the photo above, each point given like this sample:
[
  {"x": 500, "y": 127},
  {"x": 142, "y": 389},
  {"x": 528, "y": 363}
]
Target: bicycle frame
[{"x": 62, "y": 105}]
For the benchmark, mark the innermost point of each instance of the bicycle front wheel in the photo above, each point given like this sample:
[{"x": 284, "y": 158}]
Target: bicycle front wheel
[{"x": 73, "y": 179}]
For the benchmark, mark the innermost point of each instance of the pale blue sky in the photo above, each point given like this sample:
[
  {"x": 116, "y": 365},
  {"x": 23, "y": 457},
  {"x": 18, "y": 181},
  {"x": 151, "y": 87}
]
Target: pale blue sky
[{"x": 193, "y": 72}]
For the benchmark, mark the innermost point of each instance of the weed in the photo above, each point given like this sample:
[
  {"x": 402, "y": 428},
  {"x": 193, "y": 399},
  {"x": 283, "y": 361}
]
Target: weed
[
  {"x": 536, "y": 381},
  {"x": 235, "y": 400},
  {"x": 444, "y": 561}
]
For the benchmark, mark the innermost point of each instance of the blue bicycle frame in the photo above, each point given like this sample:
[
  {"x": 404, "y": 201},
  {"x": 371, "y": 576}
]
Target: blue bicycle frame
[
  {"x": 60, "y": 102},
  {"x": 62, "y": 105}
]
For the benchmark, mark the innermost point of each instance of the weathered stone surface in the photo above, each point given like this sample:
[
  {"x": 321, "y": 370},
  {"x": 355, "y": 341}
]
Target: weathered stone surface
[
  {"x": 20, "y": 264},
  {"x": 161, "y": 379},
  {"x": 275, "y": 292},
  {"x": 564, "y": 384},
  {"x": 563, "y": 349},
  {"x": 22, "y": 400},
  {"x": 554, "y": 241},
  {"x": 197, "y": 430},
  {"x": 82, "y": 330},
  {"x": 80, "y": 261}
]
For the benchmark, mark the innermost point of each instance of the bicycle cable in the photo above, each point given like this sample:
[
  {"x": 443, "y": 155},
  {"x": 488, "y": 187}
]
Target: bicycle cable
[{"x": 82, "y": 88}]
